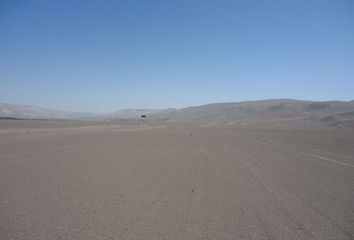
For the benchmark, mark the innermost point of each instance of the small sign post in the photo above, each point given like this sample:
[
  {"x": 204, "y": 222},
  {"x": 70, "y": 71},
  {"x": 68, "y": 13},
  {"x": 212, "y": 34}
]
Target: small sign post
[{"x": 143, "y": 121}]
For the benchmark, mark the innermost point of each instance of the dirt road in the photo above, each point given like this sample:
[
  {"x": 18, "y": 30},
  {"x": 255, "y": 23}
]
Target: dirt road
[{"x": 176, "y": 183}]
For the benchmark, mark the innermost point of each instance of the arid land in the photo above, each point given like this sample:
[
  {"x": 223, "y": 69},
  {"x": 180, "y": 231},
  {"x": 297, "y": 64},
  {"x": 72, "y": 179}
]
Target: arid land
[{"x": 114, "y": 180}]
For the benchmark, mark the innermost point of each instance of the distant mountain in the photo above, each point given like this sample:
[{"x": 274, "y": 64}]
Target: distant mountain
[
  {"x": 31, "y": 112},
  {"x": 274, "y": 112},
  {"x": 340, "y": 120},
  {"x": 263, "y": 111}
]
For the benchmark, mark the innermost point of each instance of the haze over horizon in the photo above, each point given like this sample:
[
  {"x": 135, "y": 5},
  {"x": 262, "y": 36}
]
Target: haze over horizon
[{"x": 95, "y": 57}]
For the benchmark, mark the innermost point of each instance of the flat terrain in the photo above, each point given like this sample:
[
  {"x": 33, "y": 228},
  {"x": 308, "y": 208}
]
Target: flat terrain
[{"x": 174, "y": 182}]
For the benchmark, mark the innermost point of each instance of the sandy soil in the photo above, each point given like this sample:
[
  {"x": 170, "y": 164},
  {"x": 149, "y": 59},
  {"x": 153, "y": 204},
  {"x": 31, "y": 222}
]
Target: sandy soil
[{"x": 175, "y": 182}]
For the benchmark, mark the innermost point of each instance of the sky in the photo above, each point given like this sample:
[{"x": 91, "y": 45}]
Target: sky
[{"x": 102, "y": 56}]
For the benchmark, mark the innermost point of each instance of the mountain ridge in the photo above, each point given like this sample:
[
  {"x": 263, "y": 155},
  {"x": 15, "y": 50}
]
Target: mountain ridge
[{"x": 327, "y": 113}]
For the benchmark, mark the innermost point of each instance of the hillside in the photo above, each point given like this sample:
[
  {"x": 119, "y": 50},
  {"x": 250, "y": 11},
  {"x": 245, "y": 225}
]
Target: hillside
[
  {"x": 275, "y": 112},
  {"x": 31, "y": 112}
]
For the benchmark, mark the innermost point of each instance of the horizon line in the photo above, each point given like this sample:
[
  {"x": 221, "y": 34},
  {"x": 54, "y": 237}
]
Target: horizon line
[{"x": 177, "y": 108}]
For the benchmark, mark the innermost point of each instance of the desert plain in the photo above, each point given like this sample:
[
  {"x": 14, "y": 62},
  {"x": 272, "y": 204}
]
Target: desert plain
[{"x": 109, "y": 180}]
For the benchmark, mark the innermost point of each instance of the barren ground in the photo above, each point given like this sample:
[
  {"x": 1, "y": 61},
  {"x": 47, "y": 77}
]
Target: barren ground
[{"x": 103, "y": 181}]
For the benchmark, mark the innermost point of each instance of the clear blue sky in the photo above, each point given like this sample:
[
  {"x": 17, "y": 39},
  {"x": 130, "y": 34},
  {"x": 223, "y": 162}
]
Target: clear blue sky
[{"x": 101, "y": 56}]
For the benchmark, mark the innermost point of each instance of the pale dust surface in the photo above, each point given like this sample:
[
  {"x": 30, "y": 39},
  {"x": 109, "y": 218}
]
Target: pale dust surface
[{"x": 109, "y": 181}]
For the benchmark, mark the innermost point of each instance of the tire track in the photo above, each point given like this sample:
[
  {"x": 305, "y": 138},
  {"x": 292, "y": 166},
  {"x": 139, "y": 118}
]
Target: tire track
[{"x": 301, "y": 152}]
